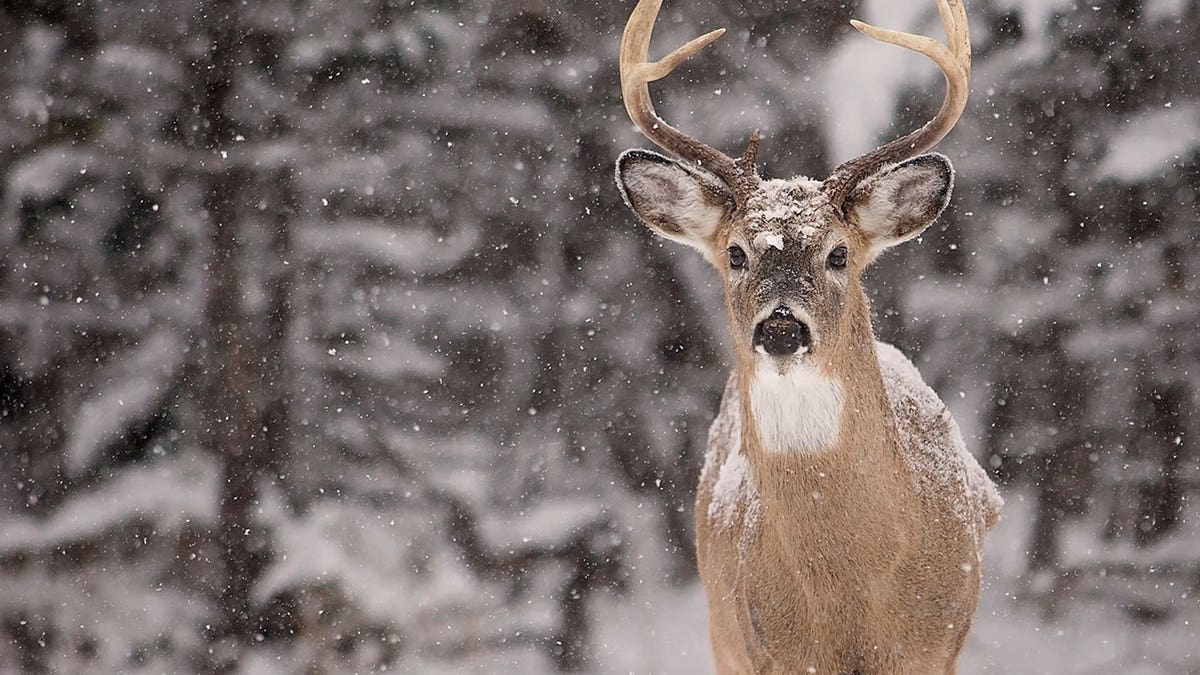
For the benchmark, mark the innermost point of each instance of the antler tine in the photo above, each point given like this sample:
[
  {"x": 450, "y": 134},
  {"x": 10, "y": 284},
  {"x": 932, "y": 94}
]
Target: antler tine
[
  {"x": 954, "y": 60},
  {"x": 637, "y": 72}
]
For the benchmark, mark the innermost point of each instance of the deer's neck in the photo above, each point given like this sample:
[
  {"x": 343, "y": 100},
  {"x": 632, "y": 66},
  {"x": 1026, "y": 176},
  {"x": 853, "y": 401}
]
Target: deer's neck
[
  {"x": 831, "y": 411},
  {"x": 798, "y": 411},
  {"x": 837, "y": 495}
]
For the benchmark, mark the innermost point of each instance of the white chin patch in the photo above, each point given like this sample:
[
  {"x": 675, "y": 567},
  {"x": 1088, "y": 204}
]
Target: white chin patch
[{"x": 798, "y": 411}]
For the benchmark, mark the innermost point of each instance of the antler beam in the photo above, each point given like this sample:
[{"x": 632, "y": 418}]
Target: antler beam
[
  {"x": 954, "y": 60},
  {"x": 637, "y": 72}
]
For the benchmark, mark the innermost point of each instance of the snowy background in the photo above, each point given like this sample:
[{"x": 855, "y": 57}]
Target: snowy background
[{"x": 327, "y": 346}]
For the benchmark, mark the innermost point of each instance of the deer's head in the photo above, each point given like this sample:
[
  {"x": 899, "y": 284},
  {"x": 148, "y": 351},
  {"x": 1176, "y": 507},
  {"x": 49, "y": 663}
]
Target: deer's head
[{"x": 790, "y": 252}]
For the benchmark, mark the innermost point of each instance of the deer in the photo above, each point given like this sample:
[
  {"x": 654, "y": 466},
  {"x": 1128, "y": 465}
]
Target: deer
[{"x": 839, "y": 516}]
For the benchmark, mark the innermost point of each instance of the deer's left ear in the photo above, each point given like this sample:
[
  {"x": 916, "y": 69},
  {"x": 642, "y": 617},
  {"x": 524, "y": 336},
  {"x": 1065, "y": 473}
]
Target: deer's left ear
[{"x": 900, "y": 201}]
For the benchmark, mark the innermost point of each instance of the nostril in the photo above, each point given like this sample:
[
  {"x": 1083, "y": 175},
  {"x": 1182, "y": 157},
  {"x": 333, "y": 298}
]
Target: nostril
[{"x": 782, "y": 334}]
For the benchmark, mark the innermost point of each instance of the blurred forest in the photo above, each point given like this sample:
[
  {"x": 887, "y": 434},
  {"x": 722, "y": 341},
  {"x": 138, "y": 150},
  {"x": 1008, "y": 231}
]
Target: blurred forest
[{"x": 326, "y": 344}]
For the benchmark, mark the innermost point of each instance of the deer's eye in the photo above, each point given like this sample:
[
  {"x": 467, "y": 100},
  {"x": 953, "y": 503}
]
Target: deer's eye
[
  {"x": 837, "y": 258},
  {"x": 737, "y": 257}
]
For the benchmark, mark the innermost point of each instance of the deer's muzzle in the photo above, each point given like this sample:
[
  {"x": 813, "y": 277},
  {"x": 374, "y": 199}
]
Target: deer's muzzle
[{"x": 782, "y": 334}]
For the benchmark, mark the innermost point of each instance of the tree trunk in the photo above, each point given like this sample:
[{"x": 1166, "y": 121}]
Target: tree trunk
[{"x": 230, "y": 412}]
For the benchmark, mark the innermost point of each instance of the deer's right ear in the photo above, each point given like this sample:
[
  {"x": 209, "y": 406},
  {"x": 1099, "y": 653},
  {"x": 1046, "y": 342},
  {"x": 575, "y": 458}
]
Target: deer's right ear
[{"x": 677, "y": 201}]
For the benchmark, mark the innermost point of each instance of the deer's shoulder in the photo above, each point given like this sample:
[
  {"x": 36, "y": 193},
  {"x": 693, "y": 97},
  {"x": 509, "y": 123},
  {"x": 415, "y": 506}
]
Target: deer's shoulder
[
  {"x": 728, "y": 494},
  {"x": 933, "y": 446}
]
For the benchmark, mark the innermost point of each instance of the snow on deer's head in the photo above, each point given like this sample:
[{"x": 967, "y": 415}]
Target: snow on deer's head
[
  {"x": 791, "y": 253},
  {"x": 789, "y": 256}
]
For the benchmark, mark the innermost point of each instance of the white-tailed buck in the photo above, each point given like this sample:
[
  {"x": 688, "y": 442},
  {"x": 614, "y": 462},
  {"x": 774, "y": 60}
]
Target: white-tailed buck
[{"x": 840, "y": 517}]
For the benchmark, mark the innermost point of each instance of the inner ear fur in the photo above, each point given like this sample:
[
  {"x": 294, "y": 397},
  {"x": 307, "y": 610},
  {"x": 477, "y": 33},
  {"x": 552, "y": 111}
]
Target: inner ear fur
[
  {"x": 899, "y": 202},
  {"x": 677, "y": 201}
]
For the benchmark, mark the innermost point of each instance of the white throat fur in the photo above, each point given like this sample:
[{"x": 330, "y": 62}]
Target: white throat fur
[{"x": 798, "y": 411}]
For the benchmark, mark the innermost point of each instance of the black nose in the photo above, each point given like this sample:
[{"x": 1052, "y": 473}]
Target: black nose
[{"x": 782, "y": 334}]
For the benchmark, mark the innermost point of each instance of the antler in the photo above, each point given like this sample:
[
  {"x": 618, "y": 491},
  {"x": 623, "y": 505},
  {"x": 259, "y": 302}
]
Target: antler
[
  {"x": 636, "y": 75},
  {"x": 955, "y": 63}
]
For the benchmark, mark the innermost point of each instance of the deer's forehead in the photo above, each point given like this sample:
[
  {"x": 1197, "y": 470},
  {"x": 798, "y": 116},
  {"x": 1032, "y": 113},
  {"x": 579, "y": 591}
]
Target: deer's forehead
[{"x": 783, "y": 213}]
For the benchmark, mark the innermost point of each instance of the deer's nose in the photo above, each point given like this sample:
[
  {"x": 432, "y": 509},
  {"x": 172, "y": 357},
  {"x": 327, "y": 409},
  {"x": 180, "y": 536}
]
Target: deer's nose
[{"x": 782, "y": 334}]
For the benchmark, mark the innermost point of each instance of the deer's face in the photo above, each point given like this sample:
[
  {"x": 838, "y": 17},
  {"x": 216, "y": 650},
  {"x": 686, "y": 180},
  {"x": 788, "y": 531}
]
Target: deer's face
[
  {"x": 790, "y": 260},
  {"x": 786, "y": 265}
]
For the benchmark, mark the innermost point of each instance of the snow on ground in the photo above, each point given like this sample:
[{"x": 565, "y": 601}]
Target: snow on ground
[
  {"x": 667, "y": 633},
  {"x": 1012, "y": 634},
  {"x": 665, "y": 630}
]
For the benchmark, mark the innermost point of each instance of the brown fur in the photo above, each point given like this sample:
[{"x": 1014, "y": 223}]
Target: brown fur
[
  {"x": 860, "y": 558},
  {"x": 848, "y": 569},
  {"x": 853, "y": 558}
]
